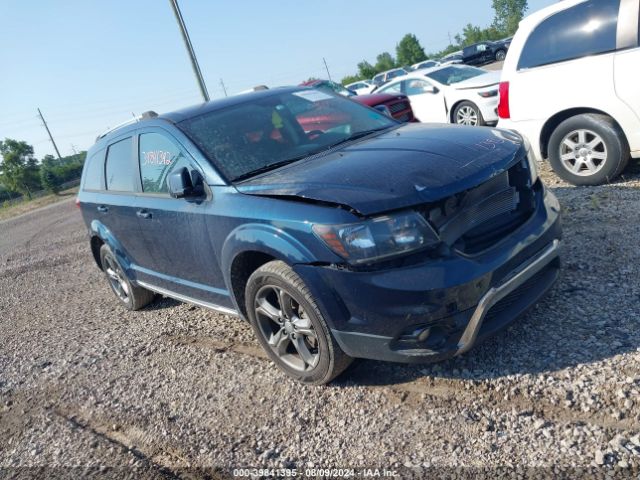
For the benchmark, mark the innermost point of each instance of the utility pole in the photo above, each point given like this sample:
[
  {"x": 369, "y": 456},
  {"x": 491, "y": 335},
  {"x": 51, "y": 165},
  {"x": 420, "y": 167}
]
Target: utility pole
[
  {"x": 325, "y": 66},
  {"x": 189, "y": 46},
  {"x": 49, "y": 132},
  {"x": 224, "y": 89}
]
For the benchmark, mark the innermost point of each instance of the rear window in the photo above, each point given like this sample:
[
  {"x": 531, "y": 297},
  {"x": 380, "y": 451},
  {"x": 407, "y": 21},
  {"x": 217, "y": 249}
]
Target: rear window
[
  {"x": 119, "y": 169},
  {"x": 585, "y": 29},
  {"x": 94, "y": 172}
]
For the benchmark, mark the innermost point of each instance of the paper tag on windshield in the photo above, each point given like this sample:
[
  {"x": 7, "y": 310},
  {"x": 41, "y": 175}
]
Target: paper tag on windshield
[{"x": 313, "y": 95}]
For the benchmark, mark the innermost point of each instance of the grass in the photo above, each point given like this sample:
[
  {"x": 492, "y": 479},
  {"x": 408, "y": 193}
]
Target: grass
[{"x": 9, "y": 211}]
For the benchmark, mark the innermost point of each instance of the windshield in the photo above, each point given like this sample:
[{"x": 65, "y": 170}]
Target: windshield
[
  {"x": 270, "y": 131},
  {"x": 451, "y": 75}
]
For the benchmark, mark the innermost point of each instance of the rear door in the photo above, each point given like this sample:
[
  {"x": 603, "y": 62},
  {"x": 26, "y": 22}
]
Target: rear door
[
  {"x": 115, "y": 201},
  {"x": 183, "y": 260}
]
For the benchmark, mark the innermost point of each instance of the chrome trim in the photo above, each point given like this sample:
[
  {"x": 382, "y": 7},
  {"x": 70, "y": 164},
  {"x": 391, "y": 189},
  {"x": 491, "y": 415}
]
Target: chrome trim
[
  {"x": 186, "y": 299},
  {"x": 495, "y": 294}
]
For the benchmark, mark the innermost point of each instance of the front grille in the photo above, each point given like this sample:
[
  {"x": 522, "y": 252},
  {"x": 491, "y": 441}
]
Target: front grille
[
  {"x": 398, "y": 107},
  {"x": 474, "y": 220}
]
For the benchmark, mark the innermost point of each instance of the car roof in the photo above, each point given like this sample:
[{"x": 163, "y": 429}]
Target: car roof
[{"x": 197, "y": 110}]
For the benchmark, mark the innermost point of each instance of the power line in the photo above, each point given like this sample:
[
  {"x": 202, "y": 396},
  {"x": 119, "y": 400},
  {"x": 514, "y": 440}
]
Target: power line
[
  {"x": 44, "y": 122},
  {"x": 192, "y": 54}
]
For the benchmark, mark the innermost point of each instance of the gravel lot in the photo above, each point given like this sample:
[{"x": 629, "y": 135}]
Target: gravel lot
[{"x": 85, "y": 384}]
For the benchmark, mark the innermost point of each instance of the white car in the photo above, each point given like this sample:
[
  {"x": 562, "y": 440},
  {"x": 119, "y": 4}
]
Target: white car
[
  {"x": 384, "y": 77},
  {"x": 570, "y": 86},
  {"x": 450, "y": 94},
  {"x": 425, "y": 64},
  {"x": 361, "y": 88}
]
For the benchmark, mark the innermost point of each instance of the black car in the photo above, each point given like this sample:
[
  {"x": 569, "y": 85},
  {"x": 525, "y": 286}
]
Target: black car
[
  {"x": 336, "y": 231},
  {"x": 485, "y": 52}
]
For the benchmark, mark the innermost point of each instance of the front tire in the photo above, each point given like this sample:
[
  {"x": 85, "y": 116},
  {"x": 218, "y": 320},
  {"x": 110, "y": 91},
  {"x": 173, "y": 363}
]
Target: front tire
[
  {"x": 588, "y": 149},
  {"x": 290, "y": 327},
  {"x": 468, "y": 113},
  {"x": 130, "y": 296}
]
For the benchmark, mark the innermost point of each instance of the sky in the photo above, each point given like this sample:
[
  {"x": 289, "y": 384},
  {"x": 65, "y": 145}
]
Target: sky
[{"x": 89, "y": 65}]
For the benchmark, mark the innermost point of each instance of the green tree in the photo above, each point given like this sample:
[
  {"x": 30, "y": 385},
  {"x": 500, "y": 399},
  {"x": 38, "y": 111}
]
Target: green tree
[
  {"x": 350, "y": 79},
  {"x": 384, "y": 62},
  {"x": 48, "y": 177},
  {"x": 19, "y": 169},
  {"x": 366, "y": 70},
  {"x": 508, "y": 14},
  {"x": 409, "y": 50}
]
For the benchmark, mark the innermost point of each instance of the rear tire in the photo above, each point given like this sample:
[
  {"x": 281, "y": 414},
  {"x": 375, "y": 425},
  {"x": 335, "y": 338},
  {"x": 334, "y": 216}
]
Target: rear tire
[
  {"x": 588, "y": 149},
  {"x": 501, "y": 55},
  {"x": 130, "y": 296},
  {"x": 290, "y": 327}
]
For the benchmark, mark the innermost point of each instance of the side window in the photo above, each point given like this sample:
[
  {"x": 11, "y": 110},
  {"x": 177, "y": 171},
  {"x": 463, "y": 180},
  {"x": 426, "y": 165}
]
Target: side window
[
  {"x": 392, "y": 89},
  {"x": 94, "y": 172},
  {"x": 158, "y": 157},
  {"x": 119, "y": 169},
  {"x": 589, "y": 28},
  {"x": 416, "y": 86}
]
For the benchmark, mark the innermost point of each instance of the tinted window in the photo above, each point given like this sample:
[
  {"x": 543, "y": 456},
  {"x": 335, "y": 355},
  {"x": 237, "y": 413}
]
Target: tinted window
[
  {"x": 94, "y": 172},
  {"x": 120, "y": 176},
  {"x": 158, "y": 157},
  {"x": 586, "y": 29}
]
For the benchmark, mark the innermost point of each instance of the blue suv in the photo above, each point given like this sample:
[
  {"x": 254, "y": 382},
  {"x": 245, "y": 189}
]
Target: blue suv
[{"x": 334, "y": 230}]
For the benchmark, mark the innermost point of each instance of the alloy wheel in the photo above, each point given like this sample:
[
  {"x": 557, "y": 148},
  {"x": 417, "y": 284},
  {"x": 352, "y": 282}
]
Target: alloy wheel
[
  {"x": 583, "y": 152},
  {"x": 287, "y": 328},
  {"x": 116, "y": 278},
  {"x": 466, "y": 115}
]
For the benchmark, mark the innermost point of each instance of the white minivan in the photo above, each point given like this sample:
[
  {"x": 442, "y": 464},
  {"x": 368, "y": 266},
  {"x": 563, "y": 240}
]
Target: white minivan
[{"x": 571, "y": 86}]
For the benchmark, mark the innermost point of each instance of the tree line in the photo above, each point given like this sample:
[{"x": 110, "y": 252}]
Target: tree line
[
  {"x": 22, "y": 174},
  {"x": 507, "y": 16}
]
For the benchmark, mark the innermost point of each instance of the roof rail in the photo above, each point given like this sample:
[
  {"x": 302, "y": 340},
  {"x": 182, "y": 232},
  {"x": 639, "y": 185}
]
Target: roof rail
[{"x": 145, "y": 116}]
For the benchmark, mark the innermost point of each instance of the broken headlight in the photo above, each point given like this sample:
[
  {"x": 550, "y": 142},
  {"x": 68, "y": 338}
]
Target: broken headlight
[{"x": 379, "y": 237}]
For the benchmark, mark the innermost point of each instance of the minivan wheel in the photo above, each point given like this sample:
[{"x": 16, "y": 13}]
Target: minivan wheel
[
  {"x": 290, "y": 327},
  {"x": 467, "y": 113},
  {"x": 588, "y": 149},
  {"x": 130, "y": 296}
]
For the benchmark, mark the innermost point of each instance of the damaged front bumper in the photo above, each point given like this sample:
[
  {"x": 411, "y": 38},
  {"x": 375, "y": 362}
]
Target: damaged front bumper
[{"x": 442, "y": 307}]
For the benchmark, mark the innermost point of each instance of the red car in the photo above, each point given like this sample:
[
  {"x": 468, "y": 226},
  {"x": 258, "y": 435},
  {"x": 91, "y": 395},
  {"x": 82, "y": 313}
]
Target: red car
[{"x": 396, "y": 106}]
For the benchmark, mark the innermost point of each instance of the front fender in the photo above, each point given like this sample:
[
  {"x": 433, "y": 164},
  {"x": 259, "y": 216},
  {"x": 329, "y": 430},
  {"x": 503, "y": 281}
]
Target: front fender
[{"x": 262, "y": 238}]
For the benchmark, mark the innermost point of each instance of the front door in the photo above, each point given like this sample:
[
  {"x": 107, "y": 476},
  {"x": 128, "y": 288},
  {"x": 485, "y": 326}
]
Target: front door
[
  {"x": 175, "y": 231},
  {"x": 427, "y": 101}
]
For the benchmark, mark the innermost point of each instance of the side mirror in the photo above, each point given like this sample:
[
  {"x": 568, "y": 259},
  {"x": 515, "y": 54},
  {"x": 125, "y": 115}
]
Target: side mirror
[
  {"x": 431, "y": 89},
  {"x": 179, "y": 183}
]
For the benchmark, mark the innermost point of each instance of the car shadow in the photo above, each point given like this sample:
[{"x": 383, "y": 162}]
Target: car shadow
[
  {"x": 589, "y": 315},
  {"x": 160, "y": 303}
]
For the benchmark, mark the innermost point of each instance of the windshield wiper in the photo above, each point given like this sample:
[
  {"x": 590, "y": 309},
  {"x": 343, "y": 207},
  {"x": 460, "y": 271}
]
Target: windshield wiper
[
  {"x": 357, "y": 135},
  {"x": 267, "y": 168}
]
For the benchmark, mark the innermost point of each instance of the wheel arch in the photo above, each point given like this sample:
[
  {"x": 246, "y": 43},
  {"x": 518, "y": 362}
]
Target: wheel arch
[
  {"x": 453, "y": 107},
  {"x": 249, "y": 247},
  {"x": 553, "y": 122}
]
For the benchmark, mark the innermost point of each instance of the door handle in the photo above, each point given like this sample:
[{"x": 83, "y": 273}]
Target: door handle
[
  {"x": 103, "y": 209},
  {"x": 143, "y": 214}
]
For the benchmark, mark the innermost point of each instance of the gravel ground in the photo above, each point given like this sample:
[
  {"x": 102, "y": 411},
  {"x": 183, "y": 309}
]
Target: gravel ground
[{"x": 85, "y": 385}]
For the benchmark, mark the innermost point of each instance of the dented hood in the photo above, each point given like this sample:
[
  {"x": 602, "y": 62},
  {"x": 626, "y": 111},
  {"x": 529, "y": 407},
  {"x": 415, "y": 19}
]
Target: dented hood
[{"x": 410, "y": 165}]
